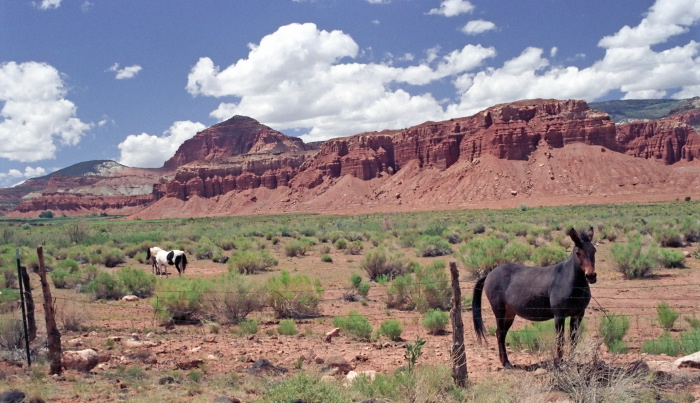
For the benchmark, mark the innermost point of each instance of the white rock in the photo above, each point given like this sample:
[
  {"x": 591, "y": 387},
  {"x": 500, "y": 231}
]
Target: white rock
[{"x": 689, "y": 361}]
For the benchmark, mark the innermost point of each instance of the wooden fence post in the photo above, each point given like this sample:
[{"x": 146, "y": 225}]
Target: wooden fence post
[
  {"x": 54, "y": 337},
  {"x": 458, "y": 353},
  {"x": 29, "y": 303}
]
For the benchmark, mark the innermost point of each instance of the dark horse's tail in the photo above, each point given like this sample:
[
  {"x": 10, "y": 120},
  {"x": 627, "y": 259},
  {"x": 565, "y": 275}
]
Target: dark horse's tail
[{"x": 476, "y": 310}]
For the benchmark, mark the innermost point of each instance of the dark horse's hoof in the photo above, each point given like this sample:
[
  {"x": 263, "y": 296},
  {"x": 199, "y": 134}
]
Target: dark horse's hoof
[{"x": 507, "y": 366}]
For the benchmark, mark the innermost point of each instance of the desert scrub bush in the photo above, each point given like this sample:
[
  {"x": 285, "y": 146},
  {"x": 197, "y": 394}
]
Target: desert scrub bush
[
  {"x": 326, "y": 258},
  {"x": 71, "y": 316},
  {"x": 180, "y": 299},
  {"x": 232, "y": 297},
  {"x": 354, "y": 248},
  {"x": 293, "y": 296},
  {"x": 11, "y": 333},
  {"x": 548, "y": 255},
  {"x": 666, "y": 344},
  {"x": 341, "y": 244},
  {"x": 248, "y": 326},
  {"x": 670, "y": 258},
  {"x": 108, "y": 256},
  {"x": 305, "y": 388},
  {"x": 613, "y": 329},
  {"x": 296, "y": 248},
  {"x": 363, "y": 289},
  {"x": 632, "y": 258},
  {"x": 136, "y": 281},
  {"x": 669, "y": 237},
  {"x": 432, "y": 288},
  {"x": 68, "y": 264},
  {"x": 64, "y": 278},
  {"x": 381, "y": 261},
  {"x": 392, "y": 329},
  {"x": 8, "y": 276},
  {"x": 251, "y": 261},
  {"x": 435, "y": 321},
  {"x": 105, "y": 286},
  {"x": 666, "y": 316},
  {"x": 535, "y": 337},
  {"x": 482, "y": 254},
  {"x": 399, "y": 293},
  {"x": 354, "y": 324},
  {"x": 287, "y": 327},
  {"x": 432, "y": 245}
]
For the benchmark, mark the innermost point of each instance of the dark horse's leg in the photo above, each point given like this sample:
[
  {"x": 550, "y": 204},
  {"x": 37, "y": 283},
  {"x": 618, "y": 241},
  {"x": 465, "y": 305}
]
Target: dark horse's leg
[
  {"x": 573, "y": 330},
  {"x": 559, "y": 327},
  {"x": 504, "y": 320}
]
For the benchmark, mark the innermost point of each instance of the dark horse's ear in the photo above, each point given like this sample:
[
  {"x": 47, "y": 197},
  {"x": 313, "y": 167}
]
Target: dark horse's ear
[
  {"x": 574, "y": 237},
  {"x": 590, "y": 233}
]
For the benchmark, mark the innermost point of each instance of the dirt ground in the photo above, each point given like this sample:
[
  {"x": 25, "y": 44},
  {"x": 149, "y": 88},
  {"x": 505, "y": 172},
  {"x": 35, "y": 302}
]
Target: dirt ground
[{"x": 168, "y": 348}]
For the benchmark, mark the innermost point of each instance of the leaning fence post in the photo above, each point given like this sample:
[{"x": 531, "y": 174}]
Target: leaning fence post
[
  {"x": 458, "y": 353},
  {"x": 24, "y": 314},
  {"x": 54, "y": 337}
]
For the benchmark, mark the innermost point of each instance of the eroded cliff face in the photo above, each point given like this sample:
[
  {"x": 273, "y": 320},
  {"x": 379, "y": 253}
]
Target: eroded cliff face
[
  {"x": 243, "y": 157},
  {"x": 237, "y": 136}
]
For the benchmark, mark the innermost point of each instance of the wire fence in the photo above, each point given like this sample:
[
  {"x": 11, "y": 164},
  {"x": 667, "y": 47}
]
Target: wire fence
[{"x": 83, "y": 315}]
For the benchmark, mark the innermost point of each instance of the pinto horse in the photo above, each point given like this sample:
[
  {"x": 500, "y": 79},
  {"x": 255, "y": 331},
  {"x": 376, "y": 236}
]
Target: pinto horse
[
  {"x": 173, "y": 257},
  {"x": 539, "y": 293},
  {"x": 151, "y": 255}
]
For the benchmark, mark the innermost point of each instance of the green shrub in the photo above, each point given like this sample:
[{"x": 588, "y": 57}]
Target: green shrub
[
  {"x": 670, "y": 258},
  {"x": 666, "y": 316},
  {"x": 294, "y": 296},
  {"x": 355, "y": 280},
  {"x": 392, "y": 329},
  {"x": 399, "y": 293},
  {"x": 137, "y": 281},
  {"x": 305, "y": 388},
  {"x": 631, "y": 259},
  {"x": 326, "y": 258},
  {"x": 548, "y": 255},
  {"x": 8, "y": 276},
  {"x": 64, "y": 278},
  {"x": 536, "y": 337},
  {"x": 354, "y": 248},
  {"x": 613, "y": 329},
  {"x": 287, "y": 327},
  {"x": 363, "y": 289},
  {"x": 295, "y": 248},
  {"x": 435, "y": 321},
  {"x": 248, "y": 326},
  {"x": 68, "y": 264},
  {"x": 432, "y": 245},
  {"x": 432, "y": 289},
  {"x": 380, "y": 261},
  {"x": 481, "y": 255},
  {"x": 354, "y": 324},
  {"x": 693, "y": 322},
  {"x": 690, "y": 341},
  {"x": 666, "y": 344},
  {"x": 181, "y": 298},
  {"x": 341, "y": 243},
  {"x": 669, "y": 237},
  {"x": 232, "y": 298},
  {"x": 109, "y": 257},
  {"x": 46, "y": 214},
  {"x": 105, "y": 286},
  {"x": 251, "y": 261}
]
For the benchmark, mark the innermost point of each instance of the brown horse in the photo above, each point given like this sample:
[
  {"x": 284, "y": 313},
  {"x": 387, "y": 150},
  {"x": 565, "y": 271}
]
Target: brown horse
[{"x": 539, "y": 293}]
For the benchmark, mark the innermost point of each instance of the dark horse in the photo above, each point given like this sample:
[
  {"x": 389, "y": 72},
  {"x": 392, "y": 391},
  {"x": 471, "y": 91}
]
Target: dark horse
[{"x": 539, "y": 293}]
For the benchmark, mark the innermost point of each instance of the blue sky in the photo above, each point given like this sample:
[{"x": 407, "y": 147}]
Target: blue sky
[{"x": 131, "y": 80}]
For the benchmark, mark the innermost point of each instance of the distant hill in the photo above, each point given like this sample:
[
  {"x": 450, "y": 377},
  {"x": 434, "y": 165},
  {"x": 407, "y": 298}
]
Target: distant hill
[
  {"x": 88, "y": 168},
  {"x": 625, "y": 111}
]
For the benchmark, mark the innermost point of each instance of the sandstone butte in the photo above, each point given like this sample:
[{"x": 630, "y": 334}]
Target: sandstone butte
[{"x": 533, "y": 152}]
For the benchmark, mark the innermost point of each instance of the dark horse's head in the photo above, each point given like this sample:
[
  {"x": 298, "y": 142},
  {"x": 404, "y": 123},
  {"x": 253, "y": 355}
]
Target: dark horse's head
[{"x": 584, "y": 252}]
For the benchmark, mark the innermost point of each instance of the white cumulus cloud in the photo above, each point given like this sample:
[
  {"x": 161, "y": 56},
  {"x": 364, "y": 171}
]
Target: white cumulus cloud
[
  {"x": 149, "y": 151},
  {"x": 35, "y": 115},
  {"x": 452, "y": 8},
  {"x": 126, "y": 72},
  {"x": 302, "y": 78},
  {"x": 29, "y": 172},
  {"x": 478, "y": 26},
  {"x": 629, "y": 65},
  {"x": 48, "y": 4}
]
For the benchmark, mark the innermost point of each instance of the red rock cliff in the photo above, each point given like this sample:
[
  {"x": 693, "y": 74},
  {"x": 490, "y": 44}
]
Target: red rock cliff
[{"x": 236, "y": 136}]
